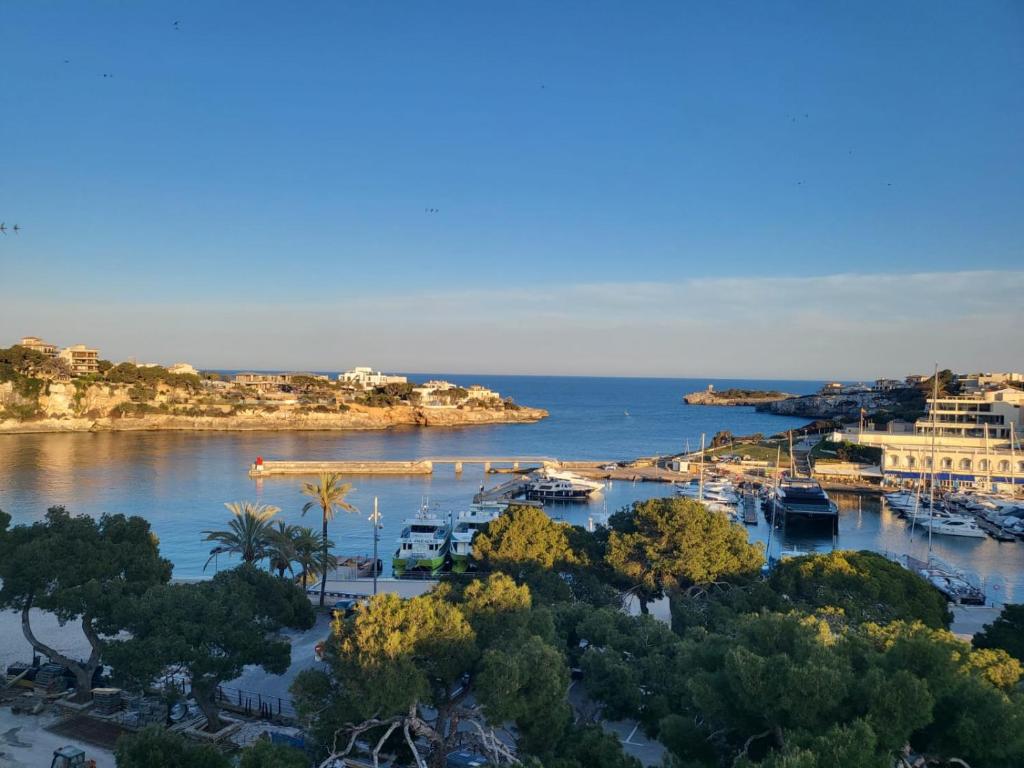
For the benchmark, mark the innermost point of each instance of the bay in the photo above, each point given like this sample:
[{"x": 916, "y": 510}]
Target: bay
[{"x": 180, "y": 480}]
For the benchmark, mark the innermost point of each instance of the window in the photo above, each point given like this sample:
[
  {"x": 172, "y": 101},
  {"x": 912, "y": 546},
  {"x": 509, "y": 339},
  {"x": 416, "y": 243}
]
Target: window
[
  {"x": 1004, "y": 466},
  {"x": 965, "y": 463},
  {"x": 894, "y": 461},
  {"x": 947, "y": 463},
  {"x": 983, "y": 465},
  {"x": 911, "y": 462}
]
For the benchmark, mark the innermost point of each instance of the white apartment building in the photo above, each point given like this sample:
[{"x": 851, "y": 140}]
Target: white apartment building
[
  {"x": 37, "y": 344},
  {"x": 975, "y": 439},
  {"x": 364, "y": 376},
  {"x": 976, "y": 382},
  {"x": 82, "y": 360}
]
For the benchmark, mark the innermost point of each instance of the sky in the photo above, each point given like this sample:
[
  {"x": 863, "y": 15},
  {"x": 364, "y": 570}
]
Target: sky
[{"x": 734, "y": 189}]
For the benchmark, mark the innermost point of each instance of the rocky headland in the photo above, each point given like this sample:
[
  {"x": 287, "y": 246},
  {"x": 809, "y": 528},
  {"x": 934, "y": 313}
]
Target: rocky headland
[
  {"x": 734, "y": 397},
  {"x": 131, "y": 398}
]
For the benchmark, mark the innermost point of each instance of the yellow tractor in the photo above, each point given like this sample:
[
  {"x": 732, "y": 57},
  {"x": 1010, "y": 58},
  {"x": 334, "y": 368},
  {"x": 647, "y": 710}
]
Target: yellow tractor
[{"x": 71, "y": 757}]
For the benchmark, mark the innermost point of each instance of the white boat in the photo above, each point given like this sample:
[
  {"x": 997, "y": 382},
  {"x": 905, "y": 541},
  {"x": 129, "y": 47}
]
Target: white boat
[
  {"x": 561, "y": 486},
  {"x": 467, "y": 524},
  {"x": 954, "y": 527},
  {"x": 423, "y": 544},
  {"x": 575, "y": 479},
  {"x": 716, "y": 491}
]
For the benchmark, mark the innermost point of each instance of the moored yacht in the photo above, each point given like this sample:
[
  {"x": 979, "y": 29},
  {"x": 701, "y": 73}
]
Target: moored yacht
[
  {"x": 561, "y": 486},
  {"x": 423, "y": 545},
  {"x": 954, "y": 526},
  {"x": 801, "y": 498},
  {"x": 467, "y": 524}
]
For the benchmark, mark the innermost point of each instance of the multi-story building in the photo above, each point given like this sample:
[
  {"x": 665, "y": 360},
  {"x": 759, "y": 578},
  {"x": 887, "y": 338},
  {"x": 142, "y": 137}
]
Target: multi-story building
[
  {"x": 975, "y": 440},
  {"x": 273, "y": 382},
  {"x": 38, "y": 345},
  {"x": 976, "y": 382},
  {"x": 182, "y": 368},
  {"x": 364, "y": 376},
  {"x": 888, "y": 385},
  {"x": 82, "y": 360}
]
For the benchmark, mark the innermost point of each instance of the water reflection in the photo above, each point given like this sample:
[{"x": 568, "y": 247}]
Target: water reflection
[{"x": 179, "y": 482}]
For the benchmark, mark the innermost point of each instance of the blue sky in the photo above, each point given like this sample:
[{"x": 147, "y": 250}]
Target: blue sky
[{"x": 270, "y": 163}]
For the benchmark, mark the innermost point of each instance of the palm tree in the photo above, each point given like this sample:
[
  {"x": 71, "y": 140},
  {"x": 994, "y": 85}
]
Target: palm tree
[
  {"x": 310, "y": 556},
  {"x": 281, "y": 547},
  {"x": 328, "y": 494},
  {"x": 248, "y": 531}
]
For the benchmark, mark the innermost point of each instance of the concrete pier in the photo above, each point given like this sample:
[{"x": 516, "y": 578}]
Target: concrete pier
[{"x": 423, "y": 466}]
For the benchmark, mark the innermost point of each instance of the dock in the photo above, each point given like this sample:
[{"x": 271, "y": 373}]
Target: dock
[
  {"x": 639, "y": 471},
  {"x": 424, "y": 466},
  {"x": 749, "y": 507},
  {"x": 510, "y": 489}
]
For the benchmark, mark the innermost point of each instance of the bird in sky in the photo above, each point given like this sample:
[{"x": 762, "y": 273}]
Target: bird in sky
[
  {"x": 176, "y": 25},
  {"x": 3, "y": 228},
  {"x": 17, "y": 229}
]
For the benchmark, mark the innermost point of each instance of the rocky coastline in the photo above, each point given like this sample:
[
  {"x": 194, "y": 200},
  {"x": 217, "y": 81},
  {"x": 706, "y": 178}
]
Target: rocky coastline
[
  {"x": 355, "y": 418},
  {"x": 710, "y": 397}
]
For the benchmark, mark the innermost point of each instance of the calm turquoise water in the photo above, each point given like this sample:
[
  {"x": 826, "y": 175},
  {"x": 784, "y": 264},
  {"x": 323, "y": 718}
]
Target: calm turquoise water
[{"x": 179, "y": 481}]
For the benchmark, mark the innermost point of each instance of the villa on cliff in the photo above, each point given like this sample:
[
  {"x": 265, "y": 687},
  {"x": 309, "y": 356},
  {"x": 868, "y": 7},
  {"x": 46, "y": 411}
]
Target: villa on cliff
[{"x": 366, "y": 377}]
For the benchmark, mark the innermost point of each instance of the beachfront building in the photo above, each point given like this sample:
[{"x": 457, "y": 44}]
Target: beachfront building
[
  {"x": 38, "y": 345},
  {"x": 482, "y": 394},
  {"x": 81, "y": 360},
  {"x": 366, "y": 377},
  {"x": 976, "y": 441}
]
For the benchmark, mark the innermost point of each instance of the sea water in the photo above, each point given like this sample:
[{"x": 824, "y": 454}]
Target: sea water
[{"x": 180, "y": 481}]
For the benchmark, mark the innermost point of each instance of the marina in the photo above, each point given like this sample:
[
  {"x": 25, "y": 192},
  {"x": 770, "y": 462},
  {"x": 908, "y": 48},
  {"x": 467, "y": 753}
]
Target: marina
[{"x": 179, "y": 481}]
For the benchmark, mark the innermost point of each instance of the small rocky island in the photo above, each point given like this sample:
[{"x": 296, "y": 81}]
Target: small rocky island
[
  {"x": 42, "y": 392},
  {"x": 734, "y": 396}
]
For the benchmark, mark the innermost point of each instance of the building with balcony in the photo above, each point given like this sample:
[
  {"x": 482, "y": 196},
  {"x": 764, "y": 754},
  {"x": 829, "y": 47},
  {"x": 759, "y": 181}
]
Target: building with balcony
[
  {"x": 82, "y": 360},
  {"x": 38, "y": 345},
  {"x": 976, "y": 440}
]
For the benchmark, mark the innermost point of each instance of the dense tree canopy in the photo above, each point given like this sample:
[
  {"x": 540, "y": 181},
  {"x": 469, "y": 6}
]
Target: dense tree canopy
[
  {"x": 865, "y": 585},
  {"x": 263, "y": 754},
  {"x": 78, "y": 568},
  {"x": 524, "y": 536},
  {"x": 664, "y": 543},
  {"x": 154, "y": 747},
  {"x": 416, "y": 661},
  {"x": 211, "y": 630},
  {"x": 1006, "y": 632}
]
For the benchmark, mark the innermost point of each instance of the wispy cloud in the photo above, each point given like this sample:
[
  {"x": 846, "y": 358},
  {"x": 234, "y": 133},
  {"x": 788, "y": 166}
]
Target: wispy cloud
[{"x": 844, "y": 325}]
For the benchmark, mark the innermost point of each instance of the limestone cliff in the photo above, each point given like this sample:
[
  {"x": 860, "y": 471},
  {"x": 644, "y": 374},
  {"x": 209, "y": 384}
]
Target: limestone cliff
[{"x": 101, "y": 407}]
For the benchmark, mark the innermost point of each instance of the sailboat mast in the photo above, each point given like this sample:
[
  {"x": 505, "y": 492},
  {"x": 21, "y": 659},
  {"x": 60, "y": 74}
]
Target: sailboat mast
[
  {"x": 931, "y": 489},
  {"x": 700, "y": 491},
  {"x": 1013, "y": 462}
]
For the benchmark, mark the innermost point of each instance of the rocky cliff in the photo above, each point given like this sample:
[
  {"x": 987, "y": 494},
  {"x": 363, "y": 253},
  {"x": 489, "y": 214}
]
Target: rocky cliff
[
  {"x": 715, "y": 398},
  {"x": 65, "y": 407},
  {"x": 828, "y": 406}
]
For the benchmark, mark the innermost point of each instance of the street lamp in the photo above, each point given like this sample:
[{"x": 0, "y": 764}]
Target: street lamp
[{"x": 375, "y": 519}]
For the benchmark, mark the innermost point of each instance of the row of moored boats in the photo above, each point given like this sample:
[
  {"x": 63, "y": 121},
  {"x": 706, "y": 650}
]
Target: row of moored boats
[
  {"x": 430, "y": 543},
  {"x": 973, "y": 516}
]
